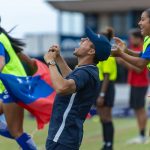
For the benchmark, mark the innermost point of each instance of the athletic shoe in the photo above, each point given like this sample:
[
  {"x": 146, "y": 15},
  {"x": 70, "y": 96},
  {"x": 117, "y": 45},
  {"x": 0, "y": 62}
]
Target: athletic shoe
[
  {"x": 138, "y": 140},
  {"x": 109, "y": 147}
]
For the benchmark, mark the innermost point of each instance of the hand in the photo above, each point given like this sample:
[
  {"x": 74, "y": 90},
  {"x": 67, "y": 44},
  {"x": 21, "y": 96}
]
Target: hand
[
  {"x": 100, "y": 101},
  {"x": 118, "y": 47},
  {"x": 51, "y": 55},
  {"x": 120, "y": 43},
  {"x": 116, "y": 51},
  {"x": 55, "y": 48}
]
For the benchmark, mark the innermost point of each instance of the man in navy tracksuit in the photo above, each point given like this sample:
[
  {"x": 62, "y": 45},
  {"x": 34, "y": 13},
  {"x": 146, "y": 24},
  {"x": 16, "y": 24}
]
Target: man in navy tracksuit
[{"x": 76, "y": 90}]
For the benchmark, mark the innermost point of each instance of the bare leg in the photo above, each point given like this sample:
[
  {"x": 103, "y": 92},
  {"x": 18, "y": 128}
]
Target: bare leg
[
  {"x": 105, "y": 114},
  {"x": 1, "y": 109},
  {"x": 14, "y": 117},
  {"x": 141, "y": 118},
  {"x": 3, "y": 125}
]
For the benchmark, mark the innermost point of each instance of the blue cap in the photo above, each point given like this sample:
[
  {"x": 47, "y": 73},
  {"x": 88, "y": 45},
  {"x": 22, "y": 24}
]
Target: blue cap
[{"x": 101, "y": 43}]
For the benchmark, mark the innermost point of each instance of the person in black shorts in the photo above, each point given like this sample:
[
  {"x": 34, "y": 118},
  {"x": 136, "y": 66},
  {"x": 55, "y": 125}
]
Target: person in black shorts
[
  {"x": 138, "y": 81},
  {"x": 76, "y": 90}
]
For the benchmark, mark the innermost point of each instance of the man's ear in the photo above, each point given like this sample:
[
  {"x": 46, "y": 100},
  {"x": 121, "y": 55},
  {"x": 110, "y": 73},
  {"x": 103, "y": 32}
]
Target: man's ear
[{"x": 91, "y": 51}]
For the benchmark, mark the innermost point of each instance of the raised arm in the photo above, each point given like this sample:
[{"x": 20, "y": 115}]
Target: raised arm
[
  {"x": 64, "y": 68},
  {"x": 31, "y": 64},
  {"x": 135, "y": 61},
  {"x": 128, "y": 65},
  {"x": 61, "y": 85},
  {"x": 124, "y": 48},
  {"x": 132, "y": 53}
]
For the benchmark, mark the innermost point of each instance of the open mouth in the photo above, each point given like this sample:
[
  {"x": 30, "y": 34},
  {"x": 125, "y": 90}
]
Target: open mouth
[{"x": 142, "y": 29}]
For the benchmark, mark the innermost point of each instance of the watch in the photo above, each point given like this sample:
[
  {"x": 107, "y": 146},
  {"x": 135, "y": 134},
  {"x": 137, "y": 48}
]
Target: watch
[{"x": 52, "y": 62}]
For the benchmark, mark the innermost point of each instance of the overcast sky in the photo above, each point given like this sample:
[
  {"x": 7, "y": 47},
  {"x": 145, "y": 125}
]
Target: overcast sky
[{"x": 30, "y": 16}]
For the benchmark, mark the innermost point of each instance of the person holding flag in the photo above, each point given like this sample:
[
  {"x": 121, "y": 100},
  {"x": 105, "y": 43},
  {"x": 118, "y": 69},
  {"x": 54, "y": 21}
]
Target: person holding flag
[{"x": 33, "y": 93}]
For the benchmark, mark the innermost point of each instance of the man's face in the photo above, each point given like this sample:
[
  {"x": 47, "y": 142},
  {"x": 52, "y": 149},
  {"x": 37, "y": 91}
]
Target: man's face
[
  {"x": 145, "y": 24},
  {"x": 85, "y": 47}
]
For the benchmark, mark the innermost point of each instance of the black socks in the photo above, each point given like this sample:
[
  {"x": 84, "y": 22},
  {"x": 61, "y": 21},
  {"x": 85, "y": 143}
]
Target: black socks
[
  {"x": 142, "y": 132},
  {"x": 108, "y": 135}
]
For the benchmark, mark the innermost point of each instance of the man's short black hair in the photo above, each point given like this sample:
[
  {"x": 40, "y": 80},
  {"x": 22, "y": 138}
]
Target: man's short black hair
[{"x": 95, "y": 59}]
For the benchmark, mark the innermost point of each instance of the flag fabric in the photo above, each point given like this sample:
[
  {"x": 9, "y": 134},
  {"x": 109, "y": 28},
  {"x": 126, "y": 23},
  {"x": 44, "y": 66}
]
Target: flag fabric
[{"x": 34, "y": 93}]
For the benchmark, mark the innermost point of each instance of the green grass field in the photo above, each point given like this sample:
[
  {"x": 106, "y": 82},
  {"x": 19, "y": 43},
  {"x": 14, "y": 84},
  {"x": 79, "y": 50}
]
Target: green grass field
[{"x": 125, "y": 129}]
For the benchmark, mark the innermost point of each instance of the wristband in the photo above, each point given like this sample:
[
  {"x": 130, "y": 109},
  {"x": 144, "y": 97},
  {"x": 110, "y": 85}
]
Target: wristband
[{"x": 101, "y": 94}]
